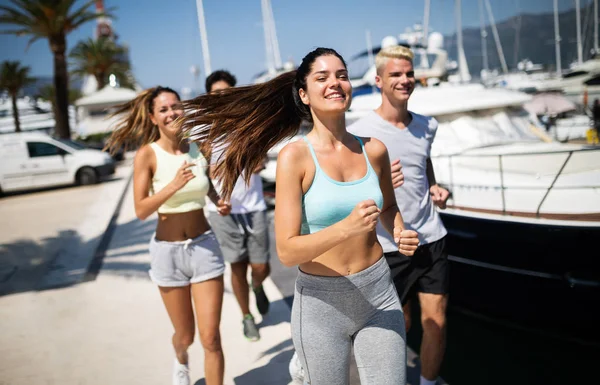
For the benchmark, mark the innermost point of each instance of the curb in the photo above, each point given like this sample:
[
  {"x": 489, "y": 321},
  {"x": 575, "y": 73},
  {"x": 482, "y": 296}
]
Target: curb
[
  {"x": 74, "y": 262},
  {"x": 98, "y": 259}
]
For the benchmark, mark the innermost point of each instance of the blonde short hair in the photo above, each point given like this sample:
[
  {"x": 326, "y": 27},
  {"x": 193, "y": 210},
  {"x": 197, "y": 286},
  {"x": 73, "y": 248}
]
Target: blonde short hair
[{"x": 392, "y": 52}]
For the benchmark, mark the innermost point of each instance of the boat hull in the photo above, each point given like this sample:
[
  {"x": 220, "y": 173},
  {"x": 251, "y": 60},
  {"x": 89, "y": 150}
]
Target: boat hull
[{"x": 543, "y": 276}]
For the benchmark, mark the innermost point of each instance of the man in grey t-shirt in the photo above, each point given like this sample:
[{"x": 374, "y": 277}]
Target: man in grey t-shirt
[{"x": 408, "y": 138}]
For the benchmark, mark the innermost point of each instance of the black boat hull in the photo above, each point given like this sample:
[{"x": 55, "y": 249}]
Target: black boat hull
[{"x": 540, "y": 276}]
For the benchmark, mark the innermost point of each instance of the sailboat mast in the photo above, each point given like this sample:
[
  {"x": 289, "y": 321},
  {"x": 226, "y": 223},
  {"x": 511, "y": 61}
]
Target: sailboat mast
[
  {"x": 596, "y": 26},
  {"x": 463, "y": 68},
  {"x": 274, "y": 40},
  {"x": 426, "y": 22},
  {"x": 578, "y": 25},
  {"x": 496, "y": 37},
  {"x": 557, "y": 38},
  {"x": 486, "y": 65},
  {"x": 267, "y": 32},
  {"x": 203, "y": 37}
]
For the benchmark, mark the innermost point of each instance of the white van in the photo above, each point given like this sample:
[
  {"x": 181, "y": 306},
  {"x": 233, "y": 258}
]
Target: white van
[{"x": 32, "y": 160}]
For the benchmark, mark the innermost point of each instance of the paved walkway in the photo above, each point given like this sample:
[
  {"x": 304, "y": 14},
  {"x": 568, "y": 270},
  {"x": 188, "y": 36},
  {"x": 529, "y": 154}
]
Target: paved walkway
[
  {"x": 114, "y": 330},
  {"x": 110, "y": 327}
]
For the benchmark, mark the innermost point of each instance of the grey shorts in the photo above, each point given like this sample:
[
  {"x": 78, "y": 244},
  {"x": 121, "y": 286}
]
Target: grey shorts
[
  {"x": 242, "y": 236},
  {"x": 175, "y": 264}
]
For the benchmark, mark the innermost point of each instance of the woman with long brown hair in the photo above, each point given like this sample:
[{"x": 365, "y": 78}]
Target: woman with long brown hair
[
  {"x": 169, "y": 177},
  {"x": 331, "y": 189}
]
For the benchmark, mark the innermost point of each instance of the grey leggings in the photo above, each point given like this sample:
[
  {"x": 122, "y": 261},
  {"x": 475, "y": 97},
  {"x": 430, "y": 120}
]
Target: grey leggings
[{"x": 332, "y": 314}]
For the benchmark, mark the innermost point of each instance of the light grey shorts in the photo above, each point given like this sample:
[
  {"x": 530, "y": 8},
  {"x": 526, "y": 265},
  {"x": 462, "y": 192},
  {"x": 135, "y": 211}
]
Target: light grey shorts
[
  {"x": 242, "y": 236},
  {"x": 182, "y": 263}
]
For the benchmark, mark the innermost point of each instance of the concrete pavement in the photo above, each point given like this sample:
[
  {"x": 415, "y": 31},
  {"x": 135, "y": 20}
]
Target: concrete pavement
[{"x": 114, "y": 330}]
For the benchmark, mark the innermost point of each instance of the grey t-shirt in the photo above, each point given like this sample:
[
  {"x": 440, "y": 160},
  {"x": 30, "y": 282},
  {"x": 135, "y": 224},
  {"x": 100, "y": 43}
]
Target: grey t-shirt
[{"x": 412, "y": 145}]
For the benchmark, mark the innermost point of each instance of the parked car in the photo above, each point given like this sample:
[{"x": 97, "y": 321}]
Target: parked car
[{"x": 32, "y": 160}]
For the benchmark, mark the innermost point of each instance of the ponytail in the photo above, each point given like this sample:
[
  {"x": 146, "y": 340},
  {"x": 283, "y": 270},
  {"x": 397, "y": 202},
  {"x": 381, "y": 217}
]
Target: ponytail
[{"x": 246, "y": 122}]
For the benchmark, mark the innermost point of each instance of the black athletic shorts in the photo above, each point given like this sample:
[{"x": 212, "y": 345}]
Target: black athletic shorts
[{"x": 426, "y": 271}]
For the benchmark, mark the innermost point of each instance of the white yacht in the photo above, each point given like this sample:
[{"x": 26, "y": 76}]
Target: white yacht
[
  {"x": 581, "y": 84},
  {"x": 523, "y": 219}
]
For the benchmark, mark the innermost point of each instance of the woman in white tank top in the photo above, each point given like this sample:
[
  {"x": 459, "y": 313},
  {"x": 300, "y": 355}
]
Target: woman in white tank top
[{"x": 170, "y": 178}]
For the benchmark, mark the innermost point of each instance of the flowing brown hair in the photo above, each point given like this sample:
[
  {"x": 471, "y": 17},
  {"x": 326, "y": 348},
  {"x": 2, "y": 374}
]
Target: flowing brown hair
[
  {"x": 247, "y": 121},
  {"x": 135, "y": 128}
]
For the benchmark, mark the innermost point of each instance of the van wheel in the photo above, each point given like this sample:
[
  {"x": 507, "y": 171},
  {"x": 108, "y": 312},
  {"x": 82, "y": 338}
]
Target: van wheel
[{"x": 87, "y": 176}]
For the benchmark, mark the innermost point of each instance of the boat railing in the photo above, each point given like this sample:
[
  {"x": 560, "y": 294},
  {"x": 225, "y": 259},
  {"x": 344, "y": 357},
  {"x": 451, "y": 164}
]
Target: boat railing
[{"x": 452, "y": 157}]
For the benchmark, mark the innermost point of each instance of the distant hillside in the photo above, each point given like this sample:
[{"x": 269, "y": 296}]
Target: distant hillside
[
  {"x": 536, "y": 40},
  {"x": 41, "y": 81}
]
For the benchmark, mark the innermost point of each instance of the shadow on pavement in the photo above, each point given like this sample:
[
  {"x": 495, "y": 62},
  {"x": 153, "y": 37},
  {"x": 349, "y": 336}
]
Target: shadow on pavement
[
  {"x": 24, "y": 263},
  {"x": 274, "y": 317},
  {"x": 130, "y": 246},
  {"x": 275, "y": 372}
]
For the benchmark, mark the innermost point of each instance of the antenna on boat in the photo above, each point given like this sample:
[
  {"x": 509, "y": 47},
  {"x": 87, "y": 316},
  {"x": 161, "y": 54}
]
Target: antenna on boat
[
  {"x": 203, "y": 37},
  {"x": 557, "y": 38}
]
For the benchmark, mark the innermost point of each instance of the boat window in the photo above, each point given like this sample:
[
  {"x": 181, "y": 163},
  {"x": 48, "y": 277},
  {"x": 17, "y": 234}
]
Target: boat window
[
  {"x": 574, "y": 73},
  {"x": 593, "y": 81},
  {"x": 98, "y": 112},
  {"x": 39, "y": 149}
]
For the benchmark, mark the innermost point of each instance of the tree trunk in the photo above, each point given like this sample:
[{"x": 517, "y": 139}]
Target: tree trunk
[
  {"x": 61, "y": 88},
  {"x": 15, "y": 112},
  {"x": 100, "y": 80}
]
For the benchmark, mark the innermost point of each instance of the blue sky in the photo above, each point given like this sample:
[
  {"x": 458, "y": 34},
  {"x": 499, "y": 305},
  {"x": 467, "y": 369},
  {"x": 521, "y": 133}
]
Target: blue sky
[{"x": 164, "y": 38}]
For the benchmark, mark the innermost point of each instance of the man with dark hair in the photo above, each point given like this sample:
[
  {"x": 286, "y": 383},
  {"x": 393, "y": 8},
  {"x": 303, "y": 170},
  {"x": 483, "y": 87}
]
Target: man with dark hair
[
  {"x": 220, "y": 80},
  {"x": 244, "y": 234}
]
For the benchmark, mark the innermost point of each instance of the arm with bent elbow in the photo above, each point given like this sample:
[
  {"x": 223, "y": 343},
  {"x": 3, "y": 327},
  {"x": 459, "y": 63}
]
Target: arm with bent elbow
[
  {"x": 292, "y": 247},
  {"x": 391, "y": 218}
]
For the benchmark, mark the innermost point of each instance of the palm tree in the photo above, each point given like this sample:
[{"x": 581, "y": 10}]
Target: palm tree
[
  {"x": 13, "y": 77},
  {"x": 101, "y": 58},
  {"x": 52, "y": 20}
]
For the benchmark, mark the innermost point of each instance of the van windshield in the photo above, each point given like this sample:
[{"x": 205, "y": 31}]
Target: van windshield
[{"x": 72, "y": 144}]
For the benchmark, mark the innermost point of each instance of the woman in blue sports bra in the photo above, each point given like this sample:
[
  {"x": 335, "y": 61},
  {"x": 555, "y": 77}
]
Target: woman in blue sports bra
[
  {"x": 169, "y": 178},
  {"x": 331, "y": 188}
]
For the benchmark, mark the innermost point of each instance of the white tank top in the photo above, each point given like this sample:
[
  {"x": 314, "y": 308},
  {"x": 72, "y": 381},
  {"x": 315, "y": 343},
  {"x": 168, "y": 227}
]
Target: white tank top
[{"x": 193, "y": 195}]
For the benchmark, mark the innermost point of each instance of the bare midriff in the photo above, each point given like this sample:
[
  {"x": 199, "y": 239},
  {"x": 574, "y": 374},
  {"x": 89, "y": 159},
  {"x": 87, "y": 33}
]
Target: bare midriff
[
  {"x": 181, "y": 226},
  {"x": 350, "y": 257}
]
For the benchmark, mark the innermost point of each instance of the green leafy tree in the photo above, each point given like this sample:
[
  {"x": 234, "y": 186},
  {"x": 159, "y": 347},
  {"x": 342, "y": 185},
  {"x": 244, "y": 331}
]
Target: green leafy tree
[
  {"x": 101, "y": 58},
  {"x": 52, "y": 20},
  {"x": 13, "y": 77}
]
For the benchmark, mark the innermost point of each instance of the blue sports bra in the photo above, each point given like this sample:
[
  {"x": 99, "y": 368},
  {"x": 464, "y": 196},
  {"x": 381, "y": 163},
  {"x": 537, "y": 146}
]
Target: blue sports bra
[{"x": 328, "y": 201}]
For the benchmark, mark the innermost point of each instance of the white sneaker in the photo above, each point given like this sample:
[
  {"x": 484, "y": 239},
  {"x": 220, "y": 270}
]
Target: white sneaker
[
  {"x": 296, "y": 370},
  {"x": 181, "y": 374}
]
